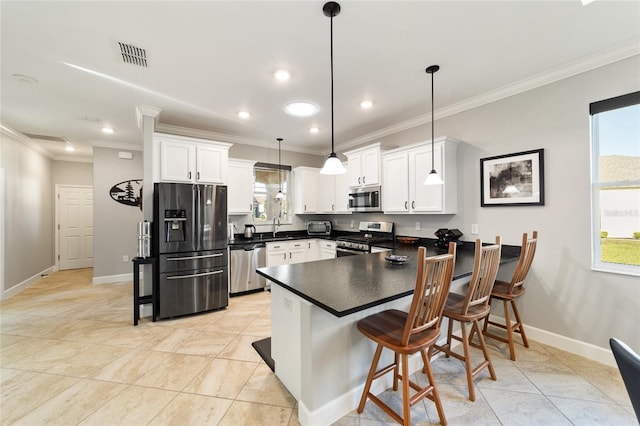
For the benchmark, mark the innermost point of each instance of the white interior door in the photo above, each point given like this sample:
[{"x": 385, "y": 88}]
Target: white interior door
[{"x": 75, "y": 227}]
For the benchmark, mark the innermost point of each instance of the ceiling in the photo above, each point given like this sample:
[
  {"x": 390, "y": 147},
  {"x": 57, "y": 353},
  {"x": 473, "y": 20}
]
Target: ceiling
[{"x": 62, "y": 74}]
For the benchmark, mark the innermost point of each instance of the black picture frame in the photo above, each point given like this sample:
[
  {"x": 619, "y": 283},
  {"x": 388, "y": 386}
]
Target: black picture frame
[{"x": 513, "y": 179}]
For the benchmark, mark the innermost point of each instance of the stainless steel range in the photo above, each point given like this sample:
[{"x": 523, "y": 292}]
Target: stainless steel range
[{"x": 361, "y": 243}]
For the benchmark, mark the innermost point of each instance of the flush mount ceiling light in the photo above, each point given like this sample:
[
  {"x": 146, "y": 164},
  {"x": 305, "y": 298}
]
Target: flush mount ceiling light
[
  {"x": 107, "y": 130},
  {"x": 366, "y": 104},
  {"x": 300, "y": 109},
  {"x": 314, "y": 130},
  {"x": 282, "y": 75},
  {"x": 244, "y": 115},
  {"x": 333, "y": 165},
  {"x": 432, "y": 177},
  {"x": 69, "y": 148},
  {"x": 279, "y": 195}
]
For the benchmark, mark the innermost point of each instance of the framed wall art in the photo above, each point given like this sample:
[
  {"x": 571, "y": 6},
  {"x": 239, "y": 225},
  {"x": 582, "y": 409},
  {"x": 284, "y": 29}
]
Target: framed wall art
[{"x": 512, "y": 179}]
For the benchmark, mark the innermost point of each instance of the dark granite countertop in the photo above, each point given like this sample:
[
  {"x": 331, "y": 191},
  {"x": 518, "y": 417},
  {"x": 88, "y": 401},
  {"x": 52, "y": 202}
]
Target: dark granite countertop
[{"x": 350, "y": 284}]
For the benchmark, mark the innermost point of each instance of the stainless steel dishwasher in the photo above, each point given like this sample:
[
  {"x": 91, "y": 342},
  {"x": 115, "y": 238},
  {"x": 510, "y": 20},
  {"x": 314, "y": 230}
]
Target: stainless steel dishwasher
[{"x": 244, "y": 261}]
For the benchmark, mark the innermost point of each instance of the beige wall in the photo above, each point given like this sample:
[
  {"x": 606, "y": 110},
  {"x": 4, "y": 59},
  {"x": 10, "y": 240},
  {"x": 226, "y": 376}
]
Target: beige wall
[
  {"x": 28, "y": 244},
  {"x": 72, "y": 173}
]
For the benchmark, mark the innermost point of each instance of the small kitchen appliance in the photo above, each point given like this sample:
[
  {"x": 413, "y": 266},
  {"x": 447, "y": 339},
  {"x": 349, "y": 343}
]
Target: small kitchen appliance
[
  {"x": 446, "y": 236},
  {"x": 362, "y": 242},
  {"x": 318, "y": 227},
  {"x": 249, "y": 230}
]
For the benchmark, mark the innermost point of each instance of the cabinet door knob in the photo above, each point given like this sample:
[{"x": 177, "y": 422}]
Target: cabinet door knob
[
  {"x": 198, "y": 175},
  {"x": 285, "y": 256},
  {"x": 358, "y": 180},
  {"x": 413, "y": 205},
  {"x": 406, "y": 205},
  {"x": 333, "y": 207},
  {"x": 364, "y": 180},
  {"x": 189, "y": 175},
  {"x": 289, "y": 255}
]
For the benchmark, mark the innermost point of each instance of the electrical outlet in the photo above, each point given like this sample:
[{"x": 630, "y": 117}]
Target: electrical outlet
[
  {"x": 125, "y": 258},
  {"x": 417, "y": 226},
  {"x": 474, "y": 229}
]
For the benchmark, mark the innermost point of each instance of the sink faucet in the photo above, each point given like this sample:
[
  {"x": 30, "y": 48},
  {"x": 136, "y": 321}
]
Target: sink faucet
[{"x": 275, "y": 226}]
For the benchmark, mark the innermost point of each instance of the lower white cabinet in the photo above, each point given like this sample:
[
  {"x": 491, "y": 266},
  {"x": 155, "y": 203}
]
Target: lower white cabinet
[
  {"x": 327, "y": 249},
  {"x": 298, "y": 251},
  {"x": 240, "y": 186}
]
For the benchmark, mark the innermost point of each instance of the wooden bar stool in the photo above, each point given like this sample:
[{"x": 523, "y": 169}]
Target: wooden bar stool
[
  {"x": 508, "y": 292},
  {"x": 471, "y": 308},
  {"x": 408, "y": 333}
]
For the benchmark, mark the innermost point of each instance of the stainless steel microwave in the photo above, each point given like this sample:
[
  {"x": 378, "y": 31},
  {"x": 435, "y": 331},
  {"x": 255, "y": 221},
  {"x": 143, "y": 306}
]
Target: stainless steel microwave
[{"x": 366, "y": 199}]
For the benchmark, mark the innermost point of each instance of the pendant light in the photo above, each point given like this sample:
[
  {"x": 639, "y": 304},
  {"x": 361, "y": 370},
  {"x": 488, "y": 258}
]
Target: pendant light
[
  {"x": 333, "y": 165},
  {"x": 432, "y": 177},
  {"x": 279, "y": 195}
]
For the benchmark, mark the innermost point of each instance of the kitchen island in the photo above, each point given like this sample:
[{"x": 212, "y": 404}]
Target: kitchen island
[{"x": 319, "y": 355}]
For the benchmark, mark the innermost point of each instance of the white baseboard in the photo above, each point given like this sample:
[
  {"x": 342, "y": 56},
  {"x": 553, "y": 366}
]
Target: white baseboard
[
  {"x": 113, "y": 278},
  {"x": 26, "y": 283},
  {"x": 586, "y": 350}
]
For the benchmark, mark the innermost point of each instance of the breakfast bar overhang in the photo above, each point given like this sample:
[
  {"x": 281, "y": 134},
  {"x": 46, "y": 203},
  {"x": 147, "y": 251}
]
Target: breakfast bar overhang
[{"x": 319, "y": 355}]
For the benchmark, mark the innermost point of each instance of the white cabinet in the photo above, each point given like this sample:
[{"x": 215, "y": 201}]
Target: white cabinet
[
  {"x": 406, "y": 168},
  {"x": 364, "y": 166},
  {"x": 240, "y": 186},
  {"x": 186, "y": 159},
  {"x": 287, "y": 253},
  {"x": 334, "y": 193},
  {"x": 327, "y": 250},
  {"x": 306, "y": 181}
]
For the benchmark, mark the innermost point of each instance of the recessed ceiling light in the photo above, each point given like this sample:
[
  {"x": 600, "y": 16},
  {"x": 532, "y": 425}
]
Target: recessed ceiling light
[
  {"x": 301, "y": 109},
  {"x": 244, "y": 114},
  {"x": 107, "y": 130},
  {"x": 69, "y": 148},
  {"x": 314, "y": 130},
  {"x": 282, "y": 75},
  {"x": 366, "y": 104}
]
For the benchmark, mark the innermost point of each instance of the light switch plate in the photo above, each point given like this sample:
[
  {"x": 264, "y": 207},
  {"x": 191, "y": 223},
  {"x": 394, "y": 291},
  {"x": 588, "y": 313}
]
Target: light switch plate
[
  {"x": 417, "y": 226},
  {"x": 474, "y": 229}
]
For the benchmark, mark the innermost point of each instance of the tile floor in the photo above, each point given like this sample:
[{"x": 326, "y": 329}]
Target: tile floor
[{"x": 70, "y": 355}]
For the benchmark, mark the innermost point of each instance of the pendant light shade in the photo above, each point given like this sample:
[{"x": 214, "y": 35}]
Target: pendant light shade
[
  {"x": 432, "y": 177},
  {"x": 333, "y": 165},
  {"x": 279, "y": 195}
]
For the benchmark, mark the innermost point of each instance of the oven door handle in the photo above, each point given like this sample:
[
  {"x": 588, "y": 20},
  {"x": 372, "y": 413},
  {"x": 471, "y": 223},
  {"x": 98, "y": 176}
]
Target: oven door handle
[
  {"x": 345, "y": 250},
  {"x": 204, "y": 274}
]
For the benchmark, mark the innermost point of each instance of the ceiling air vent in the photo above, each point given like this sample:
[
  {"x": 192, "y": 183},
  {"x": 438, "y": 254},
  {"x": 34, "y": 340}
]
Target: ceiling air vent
[
  {"x": 133, "y": 55},
  {"x": 45, "y": 137}
]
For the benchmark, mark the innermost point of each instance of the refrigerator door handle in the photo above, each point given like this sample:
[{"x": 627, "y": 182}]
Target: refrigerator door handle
[
  {"x": 194, "y": 257},
  {"x": 204, "y": 274}
]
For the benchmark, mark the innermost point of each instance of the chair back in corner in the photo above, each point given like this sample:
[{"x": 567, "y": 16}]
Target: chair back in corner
[
  {"x": 527, "y": 253},
  {"x": 485, "y": 269},
  {"x": 629, "y": 365},
  {"x": 433, "y": 280}
]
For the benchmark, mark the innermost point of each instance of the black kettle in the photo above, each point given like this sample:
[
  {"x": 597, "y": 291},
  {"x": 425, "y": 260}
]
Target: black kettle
[{"x": 249, "y": 230}]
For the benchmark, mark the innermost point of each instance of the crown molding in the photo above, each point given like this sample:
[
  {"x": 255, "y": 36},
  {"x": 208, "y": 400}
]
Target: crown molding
[
  {"x": 19, "y": 137},
  {"x": 600, "y": 59},
  {"x": 224, "y": 137}
]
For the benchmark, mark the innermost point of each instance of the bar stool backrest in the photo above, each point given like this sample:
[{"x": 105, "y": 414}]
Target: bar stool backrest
[
  {"x": 485, "y": 269},
  {"x": 527, "y": 253}
]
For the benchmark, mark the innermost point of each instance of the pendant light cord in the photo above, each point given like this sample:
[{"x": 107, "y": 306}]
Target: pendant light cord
[
  {"x": 432, "y": 125},
  {"x": 332, "y": 150}
]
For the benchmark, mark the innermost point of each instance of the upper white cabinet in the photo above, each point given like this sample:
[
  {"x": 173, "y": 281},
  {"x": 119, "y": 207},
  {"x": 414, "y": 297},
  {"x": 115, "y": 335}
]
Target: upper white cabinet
[
  {"x": 364, "y": 166},
  {"x": 240, "y": 186},
  {"x": 306, "y": 182},
  {"x": 334, "y": 193},
  {"x": 406, "y": 168},
  {"x": 187, "y": 159}
]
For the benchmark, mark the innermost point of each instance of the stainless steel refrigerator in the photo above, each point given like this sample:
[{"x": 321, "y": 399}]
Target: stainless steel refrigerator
[{"x": 190, "y": 241}]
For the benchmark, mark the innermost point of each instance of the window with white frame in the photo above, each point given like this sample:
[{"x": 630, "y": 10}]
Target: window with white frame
[
  {"x": 615, "y": 184},
  {"x": 269, "y": 179}
]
